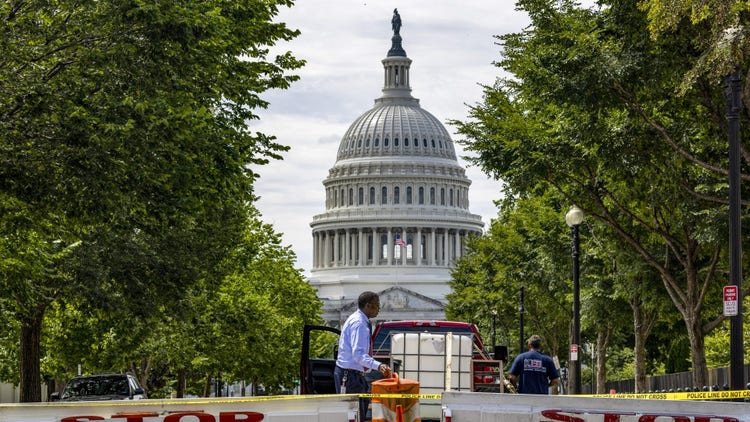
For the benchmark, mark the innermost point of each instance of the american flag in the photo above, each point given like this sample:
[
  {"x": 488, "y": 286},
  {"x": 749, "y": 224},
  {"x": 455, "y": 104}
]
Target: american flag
[{"x": 400, "y": 241}]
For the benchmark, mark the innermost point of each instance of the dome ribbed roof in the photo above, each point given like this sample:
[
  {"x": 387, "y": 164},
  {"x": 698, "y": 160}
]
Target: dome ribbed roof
[{"x": 396, "y": 130}]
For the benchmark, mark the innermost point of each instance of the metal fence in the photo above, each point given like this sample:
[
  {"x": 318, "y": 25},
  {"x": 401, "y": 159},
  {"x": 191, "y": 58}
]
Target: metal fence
[{"x": 718, "y": 379}]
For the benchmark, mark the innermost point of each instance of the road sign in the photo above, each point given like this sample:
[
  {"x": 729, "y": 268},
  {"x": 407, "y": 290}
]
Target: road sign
[
  {"x": 573, "y": 352},
  {"x": 730, "y": 301}
]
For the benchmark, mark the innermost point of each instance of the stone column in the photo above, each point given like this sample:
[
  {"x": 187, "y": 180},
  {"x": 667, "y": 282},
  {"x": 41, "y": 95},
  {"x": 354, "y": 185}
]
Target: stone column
[
  {"x": 440, "y": 248},
  {"x": 389, "y": 253},
  {"x": 336, "y": 252},
  {"x": 319, "y": 254},
  {"x": 361, "y": 250},
  {"x": 433, "y": 246},
  {"x": 418, "y": 249},
  {"x": 315, "y": 250},
  {"x": 405, "y": 238},
  {"x": 458, "y": 245},
  {"x": 347, "y": 248},
  {"x": 326, "y": 250}
]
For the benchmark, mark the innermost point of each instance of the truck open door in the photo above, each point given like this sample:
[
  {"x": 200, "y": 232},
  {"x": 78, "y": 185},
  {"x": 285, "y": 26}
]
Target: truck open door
[{"x": 318, "y": 359}]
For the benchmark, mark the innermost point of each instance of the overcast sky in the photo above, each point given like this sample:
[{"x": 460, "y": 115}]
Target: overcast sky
[{"x": 452, "y": 48}]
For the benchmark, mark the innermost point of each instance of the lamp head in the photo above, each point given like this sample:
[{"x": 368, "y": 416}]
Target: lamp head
[{"x": 574, "y": 217}]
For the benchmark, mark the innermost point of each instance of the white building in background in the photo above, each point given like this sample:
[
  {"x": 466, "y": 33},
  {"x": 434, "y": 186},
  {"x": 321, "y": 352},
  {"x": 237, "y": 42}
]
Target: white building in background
[{"x": 397, "y": 208}]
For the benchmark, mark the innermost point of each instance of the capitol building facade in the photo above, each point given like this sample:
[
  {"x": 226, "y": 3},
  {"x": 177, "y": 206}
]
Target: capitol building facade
[{"x": 396, "y": 207}]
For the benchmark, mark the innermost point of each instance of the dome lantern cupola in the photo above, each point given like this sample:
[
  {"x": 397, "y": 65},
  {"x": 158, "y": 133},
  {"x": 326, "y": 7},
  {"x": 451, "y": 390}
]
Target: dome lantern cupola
[{"x": 396, "y": 66}]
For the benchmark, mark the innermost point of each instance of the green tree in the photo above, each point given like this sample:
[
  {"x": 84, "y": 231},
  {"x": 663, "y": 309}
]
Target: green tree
[
  {"x": 590, "y": 110},
  {"x": 239, "y": 327},
  {"x": 628, "y": 288},
  {"x": 723, "y": 43},
  {"x": 124, "y": 133},
  {"x": 259, "y": 312},
  {"x": 525, "y": 247}
]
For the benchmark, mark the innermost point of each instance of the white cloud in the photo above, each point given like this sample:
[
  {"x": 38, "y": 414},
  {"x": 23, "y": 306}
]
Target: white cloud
[{"x": 452, "y": 47}]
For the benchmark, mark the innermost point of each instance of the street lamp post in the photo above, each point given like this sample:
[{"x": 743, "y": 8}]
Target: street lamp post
[
  {"x": 522, "y": 342},
  {"x": 733, "y": 97},
  {"x": 574, "y": 218}
]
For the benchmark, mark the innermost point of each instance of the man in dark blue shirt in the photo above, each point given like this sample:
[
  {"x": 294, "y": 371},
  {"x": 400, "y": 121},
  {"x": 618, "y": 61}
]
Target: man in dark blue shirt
[{"x": 533, "y": 372}]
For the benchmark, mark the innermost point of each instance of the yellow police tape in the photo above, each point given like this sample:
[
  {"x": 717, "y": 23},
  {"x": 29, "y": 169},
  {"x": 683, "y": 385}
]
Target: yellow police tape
[
  {"x": 401, "y": 396},
  {"x": 694, "y": 395},
  {"x": 697, "y": 395}
]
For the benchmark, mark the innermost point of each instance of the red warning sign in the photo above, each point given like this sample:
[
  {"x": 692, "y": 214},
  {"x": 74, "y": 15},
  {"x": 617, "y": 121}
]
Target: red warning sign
[{"x": 730, "y": 301}]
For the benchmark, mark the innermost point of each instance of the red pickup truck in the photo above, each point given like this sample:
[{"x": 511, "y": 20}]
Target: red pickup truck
[{"x": 316, "y": 372}]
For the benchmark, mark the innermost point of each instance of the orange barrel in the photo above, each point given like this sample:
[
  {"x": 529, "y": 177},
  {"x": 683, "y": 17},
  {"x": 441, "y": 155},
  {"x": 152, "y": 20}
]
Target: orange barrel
[{"x": 386, "y": 409}]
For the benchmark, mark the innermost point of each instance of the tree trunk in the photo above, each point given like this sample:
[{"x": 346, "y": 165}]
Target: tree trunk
[
  {"x": 698, "y": 351},
  {"x": 31, "y": 381},
  {"x": 181, "y": 382},
  {"x": 643, "y": 322},
  {"x": 141, "y": 371},
  {"x": 255, "y": 386},
  {"x": 207, "y": 385},
  {"x": 602, "y": 341},
  {"x": 639, "y": 348}
]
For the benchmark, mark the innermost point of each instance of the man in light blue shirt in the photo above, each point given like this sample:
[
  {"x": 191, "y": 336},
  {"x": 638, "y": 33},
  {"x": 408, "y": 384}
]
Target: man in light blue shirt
[{"x": 354, "y": 351}]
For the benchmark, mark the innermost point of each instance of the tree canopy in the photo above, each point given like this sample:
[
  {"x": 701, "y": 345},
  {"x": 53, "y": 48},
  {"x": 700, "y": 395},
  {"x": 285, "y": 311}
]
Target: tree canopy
[
  {"x": 125, "y": 144},
  {"x": 590, "y": 110}
]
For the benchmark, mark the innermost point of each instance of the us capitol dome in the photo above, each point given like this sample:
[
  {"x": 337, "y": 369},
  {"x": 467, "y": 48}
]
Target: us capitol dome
[{"x": 396, "y": 207}]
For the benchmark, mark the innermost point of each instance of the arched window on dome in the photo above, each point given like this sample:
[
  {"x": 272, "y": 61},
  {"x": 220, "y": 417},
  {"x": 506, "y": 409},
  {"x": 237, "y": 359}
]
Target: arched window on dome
[
  {"x": 408, "y": 195},
  {"x": 432, "y": 196},
  {"x": 424, "y": 142},
  {"x": 377, "y": 142},
  {"x": 433, "y": 143},
  {"x": 351, "y": 196},
  {"x": 372, "y": 195},
  {"x": 450, "y": 195},
  {"x": 442, "y": 196},
  {"x": 395, "y": 141},
  {"x": 396, "y": 195},
  {"x": 341, "y": 198},
  {"x": 385, "y": 142},
  {"x": 421, "y": 195},
  {"x": 361, "y": 196},
  {"x": 458, "y": 197},
  {"x": 416, "y": 143},
  {"x": 406, "y": 142},
  {"x": 367, "y": 143},
  {"x": 335, "y": 197},
  {"x": 359, "y": 143},
  {"x": 384, "y": 195}
]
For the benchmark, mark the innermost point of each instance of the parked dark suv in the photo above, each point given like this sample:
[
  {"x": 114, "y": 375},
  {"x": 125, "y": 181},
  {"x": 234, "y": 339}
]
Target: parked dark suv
[{"x": 101, "y": 387}]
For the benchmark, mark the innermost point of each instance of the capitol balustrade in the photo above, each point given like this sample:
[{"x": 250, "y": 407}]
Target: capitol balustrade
[{"x": 407, "y": 213}]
